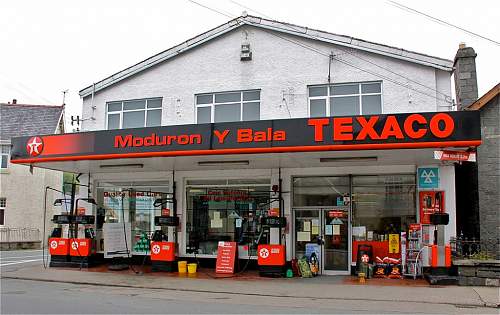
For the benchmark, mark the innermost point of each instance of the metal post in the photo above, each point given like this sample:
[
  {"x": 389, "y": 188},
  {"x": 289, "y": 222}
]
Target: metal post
[{"x": 280, "y": 200}]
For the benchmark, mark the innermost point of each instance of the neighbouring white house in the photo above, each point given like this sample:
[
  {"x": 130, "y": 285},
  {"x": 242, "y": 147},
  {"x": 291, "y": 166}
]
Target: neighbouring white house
[{"x": 22, "y": 190}]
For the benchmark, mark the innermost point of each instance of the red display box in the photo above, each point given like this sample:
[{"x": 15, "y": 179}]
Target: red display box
[
  {"x": 58, "y": 246},
  {"x": 380, "y": 249},
  {"x": 81, "y": 247},
  {"x": 163, "y": 251},
  {"x": 271, "y": 255}
]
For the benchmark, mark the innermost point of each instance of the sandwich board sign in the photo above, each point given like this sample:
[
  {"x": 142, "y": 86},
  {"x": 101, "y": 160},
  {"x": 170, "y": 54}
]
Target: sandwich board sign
[{"x": 428, "y": 177}]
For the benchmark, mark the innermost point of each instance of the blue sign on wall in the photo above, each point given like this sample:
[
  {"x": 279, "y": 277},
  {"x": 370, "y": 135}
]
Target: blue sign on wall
[{"x": 428, "y": 177}]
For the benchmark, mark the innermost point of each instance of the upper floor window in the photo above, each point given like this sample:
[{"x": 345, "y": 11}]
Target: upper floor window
[
  {"x": 345, "y": 99},
  {"x": 228, "y": 106},
  {"x": 4, "y": 155},
  {"x": 133, "y": 114}
]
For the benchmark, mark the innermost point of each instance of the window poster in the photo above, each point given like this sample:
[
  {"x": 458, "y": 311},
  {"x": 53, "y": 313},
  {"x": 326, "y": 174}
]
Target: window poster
[
  {"x": 307, "y": 226},
  {"x": 113, "y": 200},
  {"x": 315, "y": 230},
  {"x": 328, "y": 229},
  {"x": 114, "y": 240},
  {"x": 303, "y": 237},
  {"x": 336, "y": 229}
]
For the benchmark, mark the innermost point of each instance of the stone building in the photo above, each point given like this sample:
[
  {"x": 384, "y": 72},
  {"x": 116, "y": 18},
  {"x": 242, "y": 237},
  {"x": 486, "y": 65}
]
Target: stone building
[{"x": 488, "y": 169}]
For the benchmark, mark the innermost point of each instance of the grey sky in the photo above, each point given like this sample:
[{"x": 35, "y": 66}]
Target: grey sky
[{"x": 51, "y": 46}]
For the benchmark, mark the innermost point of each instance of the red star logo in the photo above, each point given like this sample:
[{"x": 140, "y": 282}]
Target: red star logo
[{"x": 34, "y": 146}]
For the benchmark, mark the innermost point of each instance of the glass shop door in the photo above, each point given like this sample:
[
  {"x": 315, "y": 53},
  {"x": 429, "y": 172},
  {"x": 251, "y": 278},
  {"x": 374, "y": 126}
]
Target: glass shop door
[{"x": 324, "y": 232}]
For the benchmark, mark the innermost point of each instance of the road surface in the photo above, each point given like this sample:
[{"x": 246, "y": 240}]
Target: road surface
[
  {"x": 12, "y": 260},
  {"x": 37, "y": 297}
]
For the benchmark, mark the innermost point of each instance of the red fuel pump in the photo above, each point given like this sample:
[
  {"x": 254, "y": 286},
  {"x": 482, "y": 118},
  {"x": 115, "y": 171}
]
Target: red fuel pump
[
  {"x": 71, "y": 251},
  {"x": 163, "y": 241},
  {"x": 163, "y": 247},
  {"x": 271, "y": 256},
  {"x": 68, "y": 248}
]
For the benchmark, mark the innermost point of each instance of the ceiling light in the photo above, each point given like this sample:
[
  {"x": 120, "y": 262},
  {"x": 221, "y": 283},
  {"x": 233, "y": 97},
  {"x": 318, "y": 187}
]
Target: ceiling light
[
  {"x": 348, "y": 159},
  {"x": 218, "y": 163},
  {"x": 122, "y": 166}
]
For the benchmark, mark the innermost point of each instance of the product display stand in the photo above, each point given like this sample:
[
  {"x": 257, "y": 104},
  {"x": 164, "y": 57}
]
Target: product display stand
[{"x": 413, "y": 267}]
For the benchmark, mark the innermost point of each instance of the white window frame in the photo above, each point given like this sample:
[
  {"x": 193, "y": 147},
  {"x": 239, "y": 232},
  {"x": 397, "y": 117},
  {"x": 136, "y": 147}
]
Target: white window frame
[
  {"x": 146, "y": 109},
  {"x": 3, "y": 206},
  {"x": 7, "y": 156},
  {"x": 359, "y": 94},
  {"x": 213, "y": 104}
]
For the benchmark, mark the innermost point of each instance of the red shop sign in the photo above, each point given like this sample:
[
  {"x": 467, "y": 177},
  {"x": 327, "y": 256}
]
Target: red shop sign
[
  {"x": 446, "y": 155},
  {"x": 414, "y": 227},
  {"x": 335, "y": 214}
]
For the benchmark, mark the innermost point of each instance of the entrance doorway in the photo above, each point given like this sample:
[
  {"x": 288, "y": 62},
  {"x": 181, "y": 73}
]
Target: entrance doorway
[{"x": 324, "y": 231}]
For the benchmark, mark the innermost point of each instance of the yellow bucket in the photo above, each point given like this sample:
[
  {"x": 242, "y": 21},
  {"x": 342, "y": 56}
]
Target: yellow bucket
[
  {"x": 182, "y": 266},
  {"x": 191, "y": 268}
]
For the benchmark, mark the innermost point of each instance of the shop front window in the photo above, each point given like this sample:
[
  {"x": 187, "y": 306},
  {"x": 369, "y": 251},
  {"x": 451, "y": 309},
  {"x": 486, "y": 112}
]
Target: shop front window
[
  {"x": 134, "y": 203},
  {"x": 319, "y": 191},
  {"x": 223, "y": 211},
  {"x": 382, "y": 205}
]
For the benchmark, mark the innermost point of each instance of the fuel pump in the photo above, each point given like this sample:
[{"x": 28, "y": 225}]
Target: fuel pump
[
  {"x": 70, "y": 246},
  {"x": 272, "y": 252},
  {"x": 163, "y": 240}
]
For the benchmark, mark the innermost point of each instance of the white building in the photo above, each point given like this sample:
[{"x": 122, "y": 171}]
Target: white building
[
  {"x": 22, "y": 190},
  {"x": 252, "y": 69}
]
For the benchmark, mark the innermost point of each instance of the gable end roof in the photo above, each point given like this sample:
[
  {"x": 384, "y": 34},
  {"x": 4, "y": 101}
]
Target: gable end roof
[
  {"x": 282, "y": 27},
  {"x": 485, "y": 99},
  {"x": 22, "y": 120}
]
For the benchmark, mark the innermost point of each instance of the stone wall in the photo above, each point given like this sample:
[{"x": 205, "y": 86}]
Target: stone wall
[
  {"x": 478, "y": 272},
  {"x": 488, "y": 160}
]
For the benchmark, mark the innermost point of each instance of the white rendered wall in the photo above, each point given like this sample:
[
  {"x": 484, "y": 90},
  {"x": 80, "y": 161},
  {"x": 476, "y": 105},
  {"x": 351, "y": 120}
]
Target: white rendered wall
[{"x": 281, "y": 69}]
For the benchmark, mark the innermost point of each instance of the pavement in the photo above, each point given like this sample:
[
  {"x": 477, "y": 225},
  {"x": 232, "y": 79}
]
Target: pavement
[{"x": 323, "y": 288}]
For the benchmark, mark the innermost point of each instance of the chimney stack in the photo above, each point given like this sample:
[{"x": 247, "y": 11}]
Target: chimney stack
[
  {"x": 14, "y": 101},
  {"x": 465, "y": 76}
]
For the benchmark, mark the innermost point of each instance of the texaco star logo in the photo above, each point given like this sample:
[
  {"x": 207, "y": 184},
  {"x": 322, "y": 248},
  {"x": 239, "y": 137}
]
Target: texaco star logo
[
  {"x": 34, "y": 146},
  {"x": 264, "y": 253},
  {"x": 156, "y": 249},
  {"x": 365, "y": 258},
  {"x": 74, "y": 245},
  {"x": 53, "y": 244}
]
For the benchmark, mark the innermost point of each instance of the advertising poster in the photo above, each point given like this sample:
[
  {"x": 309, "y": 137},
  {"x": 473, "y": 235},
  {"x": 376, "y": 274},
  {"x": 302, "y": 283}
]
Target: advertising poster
[
  {"x": 114, "y": 240},
  {"x": 393, "y": 243},
  {"x": 226, "y": 256}
]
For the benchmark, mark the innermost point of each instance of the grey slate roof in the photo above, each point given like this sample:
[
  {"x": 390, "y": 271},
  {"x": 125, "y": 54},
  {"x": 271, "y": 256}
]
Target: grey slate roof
[
  {"x": 25, "y": 120},
  {"x": 281, "y": 27}
]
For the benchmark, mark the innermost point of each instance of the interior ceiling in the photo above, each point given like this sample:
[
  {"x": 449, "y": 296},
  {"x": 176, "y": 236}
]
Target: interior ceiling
[{"x": 256, "y": 161}]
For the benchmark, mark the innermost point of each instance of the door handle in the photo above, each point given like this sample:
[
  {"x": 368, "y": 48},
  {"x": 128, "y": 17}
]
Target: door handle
[{"x": 320, "y": 241}]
